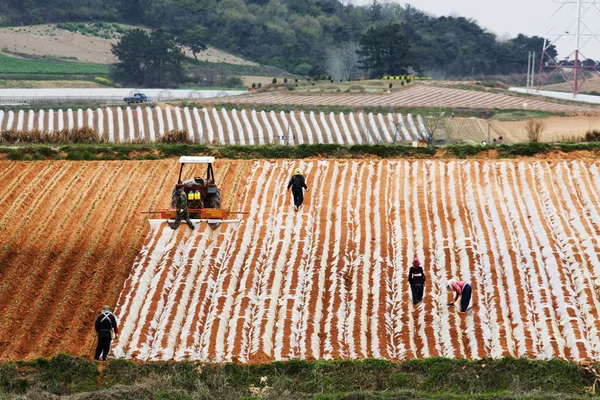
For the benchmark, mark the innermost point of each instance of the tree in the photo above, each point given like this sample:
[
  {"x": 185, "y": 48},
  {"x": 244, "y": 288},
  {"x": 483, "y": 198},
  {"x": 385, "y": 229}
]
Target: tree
[
  {"x": 432, "y": 125},
  {"x": 131, "y": 52},
  {"x": 385, "y": 51},
  {"x": 153, "y": 59},
  {"x": 195, "y": 39}
]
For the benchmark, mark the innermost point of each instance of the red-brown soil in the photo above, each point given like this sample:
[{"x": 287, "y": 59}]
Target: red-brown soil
[{"x": 328, "y": 281}]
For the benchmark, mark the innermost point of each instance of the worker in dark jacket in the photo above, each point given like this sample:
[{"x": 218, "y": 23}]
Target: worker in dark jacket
[
  {"x": 416, "y": 278},
  {"x": 297, "y": 183},
  {"x": 106, "y": 326},
  {"x": 182, "y": 210}
]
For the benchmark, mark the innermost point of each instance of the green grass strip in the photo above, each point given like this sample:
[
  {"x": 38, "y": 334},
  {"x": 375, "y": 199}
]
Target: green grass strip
[
  {"x": 434, "y": 378},
  {"x": 13, "y": 65}
]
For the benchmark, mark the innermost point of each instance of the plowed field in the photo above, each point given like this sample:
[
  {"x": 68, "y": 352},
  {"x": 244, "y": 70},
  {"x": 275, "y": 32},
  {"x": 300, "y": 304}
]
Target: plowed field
[
  {"x": 326, "y": 282},
  {"x": 414, "y": 96}
]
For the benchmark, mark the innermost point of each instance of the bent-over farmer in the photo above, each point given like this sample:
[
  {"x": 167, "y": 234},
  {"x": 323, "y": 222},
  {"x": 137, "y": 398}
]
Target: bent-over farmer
[{"x": 462, "y": 289}]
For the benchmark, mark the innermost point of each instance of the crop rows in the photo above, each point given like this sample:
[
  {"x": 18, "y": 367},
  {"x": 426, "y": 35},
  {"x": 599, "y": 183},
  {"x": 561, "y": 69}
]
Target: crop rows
[
  {"x": 212, "y": 126},
  {"x": 330, "y": 281},
  {"x": 70, "y": 232},
  {"x": 414, "y": 96}
]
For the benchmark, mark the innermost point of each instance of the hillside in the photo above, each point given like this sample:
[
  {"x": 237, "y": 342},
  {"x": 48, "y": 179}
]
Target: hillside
[
  {"x": 302, "y": 37},
  {"x": 326, "y": 282},
  {"x": 52, "y": 42}
]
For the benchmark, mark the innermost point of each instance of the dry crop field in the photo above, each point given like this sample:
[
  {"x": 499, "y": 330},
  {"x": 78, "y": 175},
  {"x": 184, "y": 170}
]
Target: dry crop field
[
  {"x": 326, "y": 282},
  {"x": 413, "y": 96}
]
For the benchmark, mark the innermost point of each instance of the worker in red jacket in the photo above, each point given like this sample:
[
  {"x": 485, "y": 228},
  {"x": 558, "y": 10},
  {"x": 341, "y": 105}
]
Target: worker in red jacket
[
  {"x": 462, "y": 289},
  {"x": 416, "y": 278},
  {"x": 106, "y": 326}
]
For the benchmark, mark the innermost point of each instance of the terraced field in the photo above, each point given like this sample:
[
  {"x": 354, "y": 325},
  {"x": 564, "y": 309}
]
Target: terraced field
[
  {"x": 414, "y": 96},
  {"x": 323, "y": 283},
  {"x": 213, "y": 126}
]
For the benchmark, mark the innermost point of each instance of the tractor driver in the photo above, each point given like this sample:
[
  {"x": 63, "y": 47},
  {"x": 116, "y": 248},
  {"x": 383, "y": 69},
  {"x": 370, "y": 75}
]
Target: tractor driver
[{"x": 182, "y": 209}]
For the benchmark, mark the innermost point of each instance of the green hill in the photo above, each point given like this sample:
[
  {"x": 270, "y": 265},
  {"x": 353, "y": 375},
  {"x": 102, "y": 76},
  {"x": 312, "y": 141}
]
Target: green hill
[{"x": 305, "y": 37}]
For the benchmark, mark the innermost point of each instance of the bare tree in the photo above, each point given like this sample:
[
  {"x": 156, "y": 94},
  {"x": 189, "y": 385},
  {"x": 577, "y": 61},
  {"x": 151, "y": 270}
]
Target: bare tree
[
  {"x": 433, "y": 126},
  {"x": 343, "y": 62},
  {"x": 534, "y": 128}
]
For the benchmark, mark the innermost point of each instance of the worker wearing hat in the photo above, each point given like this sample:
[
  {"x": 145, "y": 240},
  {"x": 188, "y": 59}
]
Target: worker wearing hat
[
  {"x": 106, "y": 327},
  {"x": 182, "y": 209},
  {"x": 297, "y": 183}
]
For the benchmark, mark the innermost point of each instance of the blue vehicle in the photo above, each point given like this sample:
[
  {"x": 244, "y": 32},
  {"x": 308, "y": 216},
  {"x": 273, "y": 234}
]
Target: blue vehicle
[{"x": 136, "y": 99}]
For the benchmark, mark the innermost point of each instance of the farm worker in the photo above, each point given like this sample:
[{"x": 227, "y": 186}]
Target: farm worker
[
  {"x": 463, "y": 289},
  {"x": 182, "y": 210},
  {"x": 297, "y": 183},
  {"x": 106, "y": 326},
  {"x": 416, "y": 278}
]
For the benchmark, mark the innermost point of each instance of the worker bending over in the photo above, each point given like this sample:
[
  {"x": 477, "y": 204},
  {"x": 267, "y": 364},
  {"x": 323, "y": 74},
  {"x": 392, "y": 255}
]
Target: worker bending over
[
  {"x": 462, "y": 289},
  {"x": 297, "y": 183}
]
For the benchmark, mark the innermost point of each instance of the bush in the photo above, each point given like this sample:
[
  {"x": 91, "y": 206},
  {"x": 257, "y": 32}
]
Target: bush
[
  {"x": 175, "y": 136},
  {"x": 253, "y": 85},
  {"x": 296, "y": 80},
  {"x": 593, "y": 135},
  {"x": 103, "y": 81},
  {"x": 315, "y": 78},
  {"x": 259, "y": 84},
  {"x": 274, "y": 81},
  {"x": 534, "y": 128},
  {"x": 285, "y": 80},
  {"x": 357, "y": 87},
  {"x": 390, "y": 85},
  {"x": 233, "y": 82}
]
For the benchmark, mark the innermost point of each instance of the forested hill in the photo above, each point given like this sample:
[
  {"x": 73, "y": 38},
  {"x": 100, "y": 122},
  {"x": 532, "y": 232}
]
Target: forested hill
[{"x": 306, "y": 37}]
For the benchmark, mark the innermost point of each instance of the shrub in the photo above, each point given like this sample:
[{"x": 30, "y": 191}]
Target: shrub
[
  {"x": 593, "y": 135},
  {"x": 328, "y": 77},
  {"x": 233, "y": 81},
  {"x": 259, "y": 84},
  {"x": 285, "y": 80},
  {"x": 534, "y": 128},
  {"x": 390, "y": 85},
  {"x": 103, "y": 81},
  {"x": 357, "y": 87},
  {"x": 175, "y": 136},
  {"x": 253, "y": 85},
  {"x": 322, "y": 78},
  {"x": 315, "y": 78},
  {"x": 296, "y": 80},
  {"x": 274, "y": 81},
  {"x": 401, "y": 83}
]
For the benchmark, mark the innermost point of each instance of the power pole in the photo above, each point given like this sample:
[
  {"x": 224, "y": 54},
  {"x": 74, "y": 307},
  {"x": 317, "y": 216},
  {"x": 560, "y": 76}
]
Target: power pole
[{"x": 587, "y": 15}]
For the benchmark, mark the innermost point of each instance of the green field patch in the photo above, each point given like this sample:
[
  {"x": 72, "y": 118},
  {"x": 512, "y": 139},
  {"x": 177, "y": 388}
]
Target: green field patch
[{"x": 15, "y": 66}]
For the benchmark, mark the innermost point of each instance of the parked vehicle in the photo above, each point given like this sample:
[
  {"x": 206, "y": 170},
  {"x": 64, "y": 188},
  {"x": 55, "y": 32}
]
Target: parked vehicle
[{"x": 136, "y": 98}]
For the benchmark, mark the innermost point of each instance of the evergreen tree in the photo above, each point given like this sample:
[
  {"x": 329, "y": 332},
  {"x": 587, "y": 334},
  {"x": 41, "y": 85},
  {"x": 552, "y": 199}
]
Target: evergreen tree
[{"x": 385, "y": 51}]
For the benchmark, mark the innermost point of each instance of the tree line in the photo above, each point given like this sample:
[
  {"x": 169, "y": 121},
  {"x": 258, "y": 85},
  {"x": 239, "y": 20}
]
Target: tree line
[{"x": 306, "y": 37}]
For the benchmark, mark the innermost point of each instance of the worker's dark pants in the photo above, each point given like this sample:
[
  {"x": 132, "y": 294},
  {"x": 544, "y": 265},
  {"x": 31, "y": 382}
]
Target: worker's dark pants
[
  {"x": 183, "y": 216},
  {"x": 103, "y": 347},
  {"x": 465, "y": 298},
  {"x": 417, "y": 292},
  {"x": 298, "y": 197}
]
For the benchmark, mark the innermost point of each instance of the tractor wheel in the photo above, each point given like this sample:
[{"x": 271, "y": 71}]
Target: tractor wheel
[{"x": 214, "y": 202}]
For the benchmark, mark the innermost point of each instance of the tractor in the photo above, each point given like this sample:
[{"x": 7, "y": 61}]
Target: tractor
[{"x": 204, "y": 197}]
